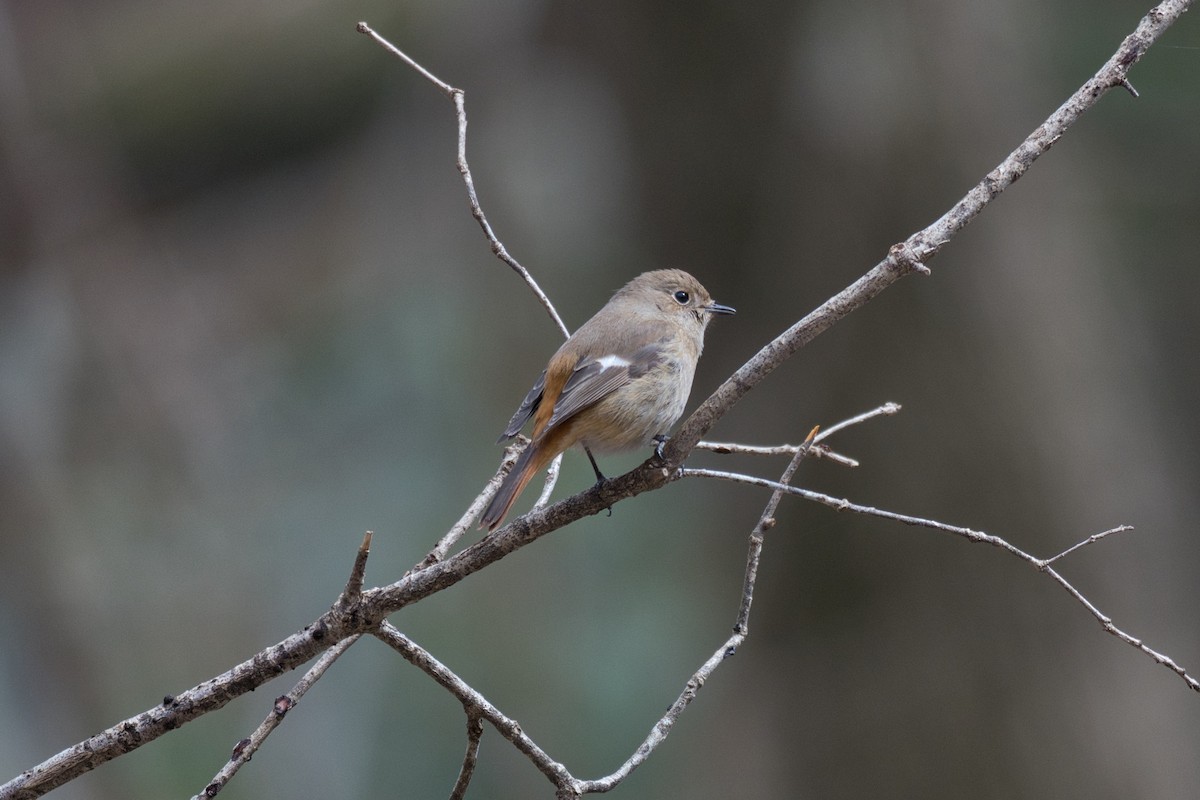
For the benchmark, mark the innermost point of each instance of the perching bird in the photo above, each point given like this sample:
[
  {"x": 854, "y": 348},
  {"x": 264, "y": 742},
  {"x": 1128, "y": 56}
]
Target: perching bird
[{"x": 618, "y": 383}]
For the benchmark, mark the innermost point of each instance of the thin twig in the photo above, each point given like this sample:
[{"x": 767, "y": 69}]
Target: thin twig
[
  {"x": 766, "y": 522},
  {"x": 567, "y": 784},
  {"x": 1095, "y": 537},
  {"x": 552, "y": 473},
  {"x": 846, "y": 505},
  {"x": 245, "y": 749},
  {"x": 460, "y": 108},
  {"x": 471, "y": 758},
  {"x": 471, "y": 515},
  {"x": 819, "y": 451},
  {"x": 458, "y": 96},
  {"x": 459, "y": 529},
  {"x": 816, "y": 451},
  {"x": 887, "y": 409},
  {"x": 423, "y": 660},
  {"x": 442, "y": 86},
  {"x": 1041, "y": 564},
  {"x": 353, "y": 591},
  {"x": 741, "y": 630}
]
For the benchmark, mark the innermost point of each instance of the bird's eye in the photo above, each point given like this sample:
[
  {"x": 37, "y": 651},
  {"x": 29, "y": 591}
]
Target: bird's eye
[{"x": 682, "y": 297}]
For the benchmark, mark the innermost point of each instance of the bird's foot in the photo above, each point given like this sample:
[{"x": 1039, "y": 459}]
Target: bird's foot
[{"x": 659, "y": 441}]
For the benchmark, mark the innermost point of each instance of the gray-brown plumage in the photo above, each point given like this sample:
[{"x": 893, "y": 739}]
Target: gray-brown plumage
[{"x": 618, "y": 382}]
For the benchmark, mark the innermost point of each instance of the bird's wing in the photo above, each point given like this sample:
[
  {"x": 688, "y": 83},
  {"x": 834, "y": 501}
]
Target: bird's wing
[
  {"x": 528, "y": 406},
  {"x": 595, "y": 378}
]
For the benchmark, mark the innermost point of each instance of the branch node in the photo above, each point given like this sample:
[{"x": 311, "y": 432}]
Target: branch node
[
  {"x": 902, "y": 257},
  {"x": 283, "y": 704}
]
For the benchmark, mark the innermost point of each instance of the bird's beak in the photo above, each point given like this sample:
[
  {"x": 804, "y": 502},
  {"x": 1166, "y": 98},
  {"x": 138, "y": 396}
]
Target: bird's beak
[{"x": 717, "y": 308}]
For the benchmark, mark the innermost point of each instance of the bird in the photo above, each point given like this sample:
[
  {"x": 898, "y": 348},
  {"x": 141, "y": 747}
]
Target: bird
[{"x": 618, "y": 383}]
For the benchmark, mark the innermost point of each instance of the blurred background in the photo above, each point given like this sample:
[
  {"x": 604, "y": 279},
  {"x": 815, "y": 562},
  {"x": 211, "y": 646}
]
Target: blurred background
[{"x": 245, "y": 316}]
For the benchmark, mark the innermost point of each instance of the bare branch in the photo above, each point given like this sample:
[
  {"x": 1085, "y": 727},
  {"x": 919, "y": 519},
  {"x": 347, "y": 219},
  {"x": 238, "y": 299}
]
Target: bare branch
[
  {"x": 1041, "y": 564},
  {"x": 765, "y": 522},
  {"x": 741, "y": 630},
  {"x": 846, "y": 505},
  {"x": 245, "y": 749},
  {"x": 902, "y": 260},
  {"x": 912, "y": 254},
  {"x": 471, "y": 515},
  {"x": 552, "y": 473},
  {"x": 474, "y": 734},
  {"x": 816, "y": 451},
  {"x": 176, "y": 710},
  {"x": 451, "y": 537},
  {"x": 423, "y": 660},
  {"x": 370, "y": 609},
  {"x": 567, "y": 785},
  {"x": 354, "y": 583},
  {"x": 1095, "y": 537},
  {"x": 887, "y": 409},
  {"x": 820, "y": 451},
  {"x": 460, "y": 108},
  {"x": 442, "y": 86}
]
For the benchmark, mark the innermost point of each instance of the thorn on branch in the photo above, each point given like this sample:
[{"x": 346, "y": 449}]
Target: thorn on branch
[{"x": 354, "y": 583}]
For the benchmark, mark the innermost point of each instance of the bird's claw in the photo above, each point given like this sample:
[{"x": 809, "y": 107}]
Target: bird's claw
[{"x": 659, "y": 441}]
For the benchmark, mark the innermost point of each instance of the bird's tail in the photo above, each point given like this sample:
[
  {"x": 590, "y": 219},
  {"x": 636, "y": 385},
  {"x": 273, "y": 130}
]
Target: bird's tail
[{"x": 528, "y": 464}]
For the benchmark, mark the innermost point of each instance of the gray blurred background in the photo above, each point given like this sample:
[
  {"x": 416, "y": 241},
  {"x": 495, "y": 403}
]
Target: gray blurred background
[{"x": 245, "y": 315}]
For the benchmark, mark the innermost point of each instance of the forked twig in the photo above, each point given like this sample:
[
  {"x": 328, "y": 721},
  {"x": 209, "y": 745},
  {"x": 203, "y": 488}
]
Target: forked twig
[
  {"x": 741, "y": 629},
  {"x": 245, "y": 749},
  {"x": 1041, "y": 564},
  {"x": 818, "y": 450},
  {"x": 472, "y": 700}
]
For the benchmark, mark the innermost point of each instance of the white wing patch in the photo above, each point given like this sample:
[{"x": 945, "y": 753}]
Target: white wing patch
[{"x": 611, "y": 361}]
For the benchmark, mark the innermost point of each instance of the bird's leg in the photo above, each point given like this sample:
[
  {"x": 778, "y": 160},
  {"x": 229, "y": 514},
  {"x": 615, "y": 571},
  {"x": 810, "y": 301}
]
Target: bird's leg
[
  {"x": 599, "y": 475},
  {"x": 600, "y": 479}
]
